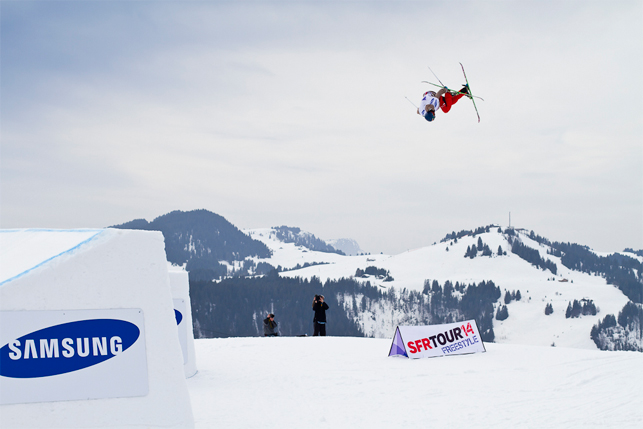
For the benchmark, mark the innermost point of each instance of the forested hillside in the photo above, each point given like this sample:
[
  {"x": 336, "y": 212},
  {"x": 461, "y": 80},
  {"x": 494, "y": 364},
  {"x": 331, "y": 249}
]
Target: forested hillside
[
  {"x": 237, "y": 306},
  {"x": 295, "y": 235},
  {"x": 201, "y": 240}
]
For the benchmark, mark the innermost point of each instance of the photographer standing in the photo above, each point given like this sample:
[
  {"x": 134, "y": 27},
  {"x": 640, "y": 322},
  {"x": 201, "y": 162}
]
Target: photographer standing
[
  {"x": 319, "y": 307},
  {"x": 270, "y": 326}
]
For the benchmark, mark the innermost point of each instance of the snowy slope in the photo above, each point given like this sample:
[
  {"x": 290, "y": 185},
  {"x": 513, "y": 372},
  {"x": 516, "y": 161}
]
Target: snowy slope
[
  {"x": 289, "y": 255},
  {"x": 333, "y": 382},
  {"x": 527, "y": 323}
]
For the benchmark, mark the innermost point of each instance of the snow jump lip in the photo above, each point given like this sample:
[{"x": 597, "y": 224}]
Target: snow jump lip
[{"x": 96, "y": 233}]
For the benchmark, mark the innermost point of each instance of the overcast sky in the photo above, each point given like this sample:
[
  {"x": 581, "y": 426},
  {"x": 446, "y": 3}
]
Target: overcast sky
[{"x": 293, "y": 113}]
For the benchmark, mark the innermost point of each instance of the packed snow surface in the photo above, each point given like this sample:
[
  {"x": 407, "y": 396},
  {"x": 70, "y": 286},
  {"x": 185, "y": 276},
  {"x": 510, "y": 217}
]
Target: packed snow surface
[{"x": 341, "y": 382}]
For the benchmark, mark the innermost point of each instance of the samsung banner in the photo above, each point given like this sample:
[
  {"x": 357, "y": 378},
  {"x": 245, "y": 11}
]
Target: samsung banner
[
  {"x": 71, "y": 355},
  {"x": 437, "y": 340}
]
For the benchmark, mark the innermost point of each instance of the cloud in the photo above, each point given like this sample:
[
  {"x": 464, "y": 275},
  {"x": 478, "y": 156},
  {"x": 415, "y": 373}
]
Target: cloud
[{"x": 272, "y": 113}]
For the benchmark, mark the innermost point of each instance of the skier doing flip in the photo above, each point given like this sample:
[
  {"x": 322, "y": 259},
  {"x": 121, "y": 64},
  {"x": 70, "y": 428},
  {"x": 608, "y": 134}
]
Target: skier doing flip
[{"x": 444, "y": 99}]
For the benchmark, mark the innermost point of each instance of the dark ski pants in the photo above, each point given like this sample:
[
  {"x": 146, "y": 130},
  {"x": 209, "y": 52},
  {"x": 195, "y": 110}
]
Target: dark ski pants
[
  {"x": 320, "y": 329},
  {"x": 449, "y": 100}
]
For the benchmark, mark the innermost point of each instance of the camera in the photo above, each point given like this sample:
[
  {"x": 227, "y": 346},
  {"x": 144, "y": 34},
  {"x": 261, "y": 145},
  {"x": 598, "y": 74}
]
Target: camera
[{"x": 317, "y": 297}]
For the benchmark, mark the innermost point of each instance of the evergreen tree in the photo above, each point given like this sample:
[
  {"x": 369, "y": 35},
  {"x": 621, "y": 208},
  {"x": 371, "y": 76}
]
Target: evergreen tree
[
  {"x": 631, "y": 314},
  {"x": 502, "y": 313},
  {"x": 549, "y": 309},
  {"x": 427, "y": 287},
  {"x": 508, "y": 297},
  {"x": 474, "y": 251},
  {"x": 486, "y": 251},
  {"x": 589, "y": 308},
  {"x": 577, "y": 308}
]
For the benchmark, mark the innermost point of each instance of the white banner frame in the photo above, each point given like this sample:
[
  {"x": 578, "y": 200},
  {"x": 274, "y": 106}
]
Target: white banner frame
[{"x": 415, "y": 342}]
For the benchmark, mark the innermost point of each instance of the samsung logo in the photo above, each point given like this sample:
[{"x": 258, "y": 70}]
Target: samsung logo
[{"x": 67, "y": 347}]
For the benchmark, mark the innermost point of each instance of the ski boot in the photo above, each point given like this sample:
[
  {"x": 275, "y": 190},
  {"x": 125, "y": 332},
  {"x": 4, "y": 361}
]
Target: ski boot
[{"x": 465, "y": 90}]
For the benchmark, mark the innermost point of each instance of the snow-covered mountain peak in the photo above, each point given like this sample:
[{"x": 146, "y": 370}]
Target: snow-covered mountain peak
[
  {"x": 347, "y": 245},
  {"x": 514, "y": 260}
]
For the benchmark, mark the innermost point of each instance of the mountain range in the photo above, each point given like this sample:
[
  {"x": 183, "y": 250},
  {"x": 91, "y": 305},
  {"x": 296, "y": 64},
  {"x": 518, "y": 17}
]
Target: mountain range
[{"x": 520, "y": 287}]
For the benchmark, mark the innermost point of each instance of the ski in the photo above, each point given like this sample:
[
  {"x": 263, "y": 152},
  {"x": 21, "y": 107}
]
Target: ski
[
  {"x": 452, "y": 90},
  {"x": 472, "y": 100}
]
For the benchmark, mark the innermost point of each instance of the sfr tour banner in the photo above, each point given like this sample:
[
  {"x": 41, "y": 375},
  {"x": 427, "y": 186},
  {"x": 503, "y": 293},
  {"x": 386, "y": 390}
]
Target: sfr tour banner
[{"x": 437, "y": 340}]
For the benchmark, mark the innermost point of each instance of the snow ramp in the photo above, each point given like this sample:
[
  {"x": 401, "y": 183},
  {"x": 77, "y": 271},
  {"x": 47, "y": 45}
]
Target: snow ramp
[{"x": 88, "y": 332}]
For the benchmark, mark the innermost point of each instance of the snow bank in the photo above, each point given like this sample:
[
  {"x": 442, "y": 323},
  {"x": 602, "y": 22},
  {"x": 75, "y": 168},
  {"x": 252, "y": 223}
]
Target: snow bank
[
  {"x": 340, "y": 382},
  {"x": 96, "y": 270}
]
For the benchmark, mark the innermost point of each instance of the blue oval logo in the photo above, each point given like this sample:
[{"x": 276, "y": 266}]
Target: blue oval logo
[
  {"x": 66, "y": 348},
  {"x": 178, "y": 316}
]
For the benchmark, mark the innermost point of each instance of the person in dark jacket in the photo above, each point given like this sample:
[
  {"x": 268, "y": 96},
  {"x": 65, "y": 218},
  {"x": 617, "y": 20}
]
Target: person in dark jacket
[
  {"x": 270, "y": 326},
  {"x": 319, "y": 321}
]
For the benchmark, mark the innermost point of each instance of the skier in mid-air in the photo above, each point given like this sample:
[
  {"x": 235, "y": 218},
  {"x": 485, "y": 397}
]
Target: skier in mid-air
[{"x": 443, "y": 99}]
